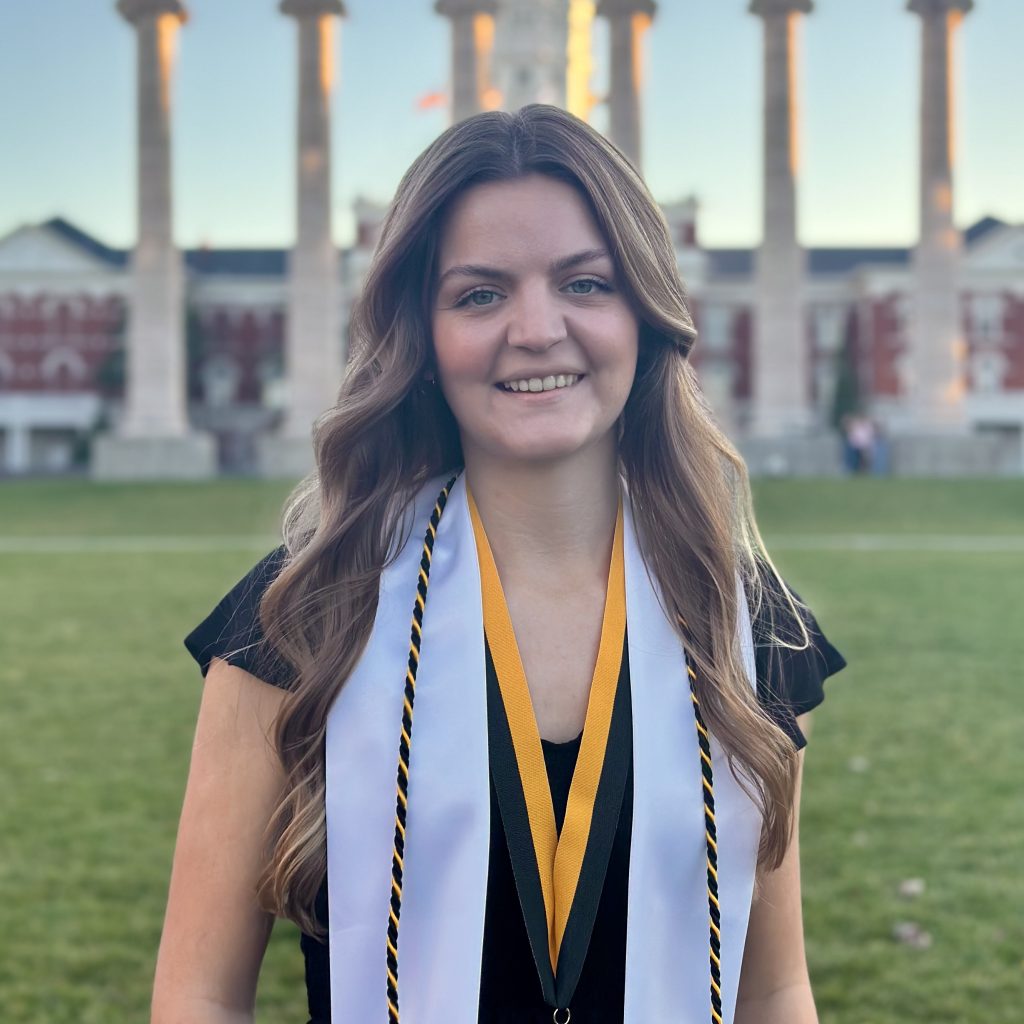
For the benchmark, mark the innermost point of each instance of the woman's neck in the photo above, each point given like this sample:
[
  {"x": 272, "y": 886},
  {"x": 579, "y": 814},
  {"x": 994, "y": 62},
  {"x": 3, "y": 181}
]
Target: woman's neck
[{"x": 548, "y": 519}]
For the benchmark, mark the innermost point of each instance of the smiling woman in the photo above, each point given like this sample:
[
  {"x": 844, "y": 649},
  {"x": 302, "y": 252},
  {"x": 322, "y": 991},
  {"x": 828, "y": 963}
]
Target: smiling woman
[
  {"x": 553, "y": 312},
  {"x": 530, "y": 678}
]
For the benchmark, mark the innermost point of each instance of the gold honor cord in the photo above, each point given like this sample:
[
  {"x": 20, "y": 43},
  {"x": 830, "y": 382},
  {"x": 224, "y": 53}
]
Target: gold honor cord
[{"x": 559, "y": 858}]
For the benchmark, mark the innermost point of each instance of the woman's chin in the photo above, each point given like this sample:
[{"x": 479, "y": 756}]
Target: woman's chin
[{"x": 540, "y": 449}]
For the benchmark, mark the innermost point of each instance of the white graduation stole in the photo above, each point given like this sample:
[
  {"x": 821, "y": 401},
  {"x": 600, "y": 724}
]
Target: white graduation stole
[{"x": 448, "y": 825}]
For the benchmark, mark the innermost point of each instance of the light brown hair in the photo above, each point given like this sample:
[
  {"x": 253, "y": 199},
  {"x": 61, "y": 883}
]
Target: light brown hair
[{"x": 389, "y": 433}]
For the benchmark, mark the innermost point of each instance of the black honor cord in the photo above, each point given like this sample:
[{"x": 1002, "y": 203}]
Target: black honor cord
[{"x": 402, "y": 800}]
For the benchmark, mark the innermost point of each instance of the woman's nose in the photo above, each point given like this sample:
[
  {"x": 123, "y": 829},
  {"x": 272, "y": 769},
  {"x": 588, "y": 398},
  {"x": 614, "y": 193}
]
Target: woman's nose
[{"x": 536, "y": 322}]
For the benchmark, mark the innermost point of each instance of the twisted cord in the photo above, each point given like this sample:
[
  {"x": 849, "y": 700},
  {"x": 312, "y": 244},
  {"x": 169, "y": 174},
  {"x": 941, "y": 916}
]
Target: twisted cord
[
  {"x": 710, "y": 843},
  {"x": 404, "y": 744}
]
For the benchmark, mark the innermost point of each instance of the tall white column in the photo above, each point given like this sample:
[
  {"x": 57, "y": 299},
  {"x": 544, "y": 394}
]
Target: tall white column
[
  {"x": 628, "y": 20},
  {"x": 313, "y": 344},
  {"x": 780, "y": 371},
  {"x": 467, "y": 87},
  {"x": 155, "y": 398},
  {"x": 935, "y": 378},
  {"x": 153, "y": 438}
]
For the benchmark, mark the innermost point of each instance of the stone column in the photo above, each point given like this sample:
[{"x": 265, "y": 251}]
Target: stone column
[
  {"x": 781, "y": 402},
  {"x": 153, "y": 438},
  {"x": 628, "y": 20},
  {"x": 467, "y": 88},
  {"x": 531, "y": 52},
  {"x": 935, "y": 377},
  {"x": 313, "y": 344},
  {"x": 18, "y": 454}
]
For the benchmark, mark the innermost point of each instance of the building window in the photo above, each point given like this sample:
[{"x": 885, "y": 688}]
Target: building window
[
  {"x": 987, "y": 319},
  {"x": 63, "y": 367},
  {"x": 987, "y": 369},
  {"x": 273, "y": 386},
  {"x": 715, "y": 330},
  {"x": 718, "y": 380},
  {"x": 829, "y": 327},
  {"x": 220, "y": 376}
]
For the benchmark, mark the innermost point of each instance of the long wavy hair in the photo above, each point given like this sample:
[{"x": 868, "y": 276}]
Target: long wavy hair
[{"x": 389, "y": 433}]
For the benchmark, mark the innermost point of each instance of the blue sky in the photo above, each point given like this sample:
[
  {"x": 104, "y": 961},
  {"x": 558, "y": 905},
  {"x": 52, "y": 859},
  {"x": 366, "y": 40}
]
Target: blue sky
[{"x": 67, "y": 115}]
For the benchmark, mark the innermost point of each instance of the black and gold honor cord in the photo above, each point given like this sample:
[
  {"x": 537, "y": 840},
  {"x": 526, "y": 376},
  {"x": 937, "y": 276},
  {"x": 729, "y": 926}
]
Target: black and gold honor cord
[
  {"x": 710, "y": 842},
  {"x": 402, "y": 800}
]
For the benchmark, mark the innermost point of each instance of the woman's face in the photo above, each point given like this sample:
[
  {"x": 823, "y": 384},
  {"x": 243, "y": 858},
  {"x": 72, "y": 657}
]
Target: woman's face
[{"x": 535, "y": 344}]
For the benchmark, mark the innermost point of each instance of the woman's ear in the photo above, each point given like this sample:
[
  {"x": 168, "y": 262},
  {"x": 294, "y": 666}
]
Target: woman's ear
[{"x": 429, "y": 372}]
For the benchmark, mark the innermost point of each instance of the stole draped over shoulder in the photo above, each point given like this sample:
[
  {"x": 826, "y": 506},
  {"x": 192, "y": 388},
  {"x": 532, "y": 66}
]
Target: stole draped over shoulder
[{"x": 426, "y": 959}]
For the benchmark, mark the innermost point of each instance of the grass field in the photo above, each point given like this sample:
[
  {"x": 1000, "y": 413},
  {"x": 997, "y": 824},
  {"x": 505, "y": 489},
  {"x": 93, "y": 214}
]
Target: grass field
[{"x": 914, "y": 768}]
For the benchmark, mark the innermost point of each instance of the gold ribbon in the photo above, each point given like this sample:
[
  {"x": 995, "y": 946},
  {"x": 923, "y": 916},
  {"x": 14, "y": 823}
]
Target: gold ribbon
[{"x": 559, "y": 858}]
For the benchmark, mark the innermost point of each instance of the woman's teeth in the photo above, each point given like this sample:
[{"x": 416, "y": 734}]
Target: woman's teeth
[{"x": 541, "y": 383}]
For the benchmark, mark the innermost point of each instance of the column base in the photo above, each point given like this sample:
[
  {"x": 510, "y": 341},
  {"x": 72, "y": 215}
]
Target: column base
[
  {"x": 950, "y": 455},
  {"x": 281, "y": 457},
  {"x": 192, "y": 457},
  {"x": 792, "y": 455},
  {"x": 937, "y": 454}
]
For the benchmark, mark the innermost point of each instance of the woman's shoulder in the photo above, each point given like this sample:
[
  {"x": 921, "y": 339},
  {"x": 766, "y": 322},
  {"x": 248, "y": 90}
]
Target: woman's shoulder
[
  {"x": 790, "y": 671},
  {"x": 232, "y": 629}
]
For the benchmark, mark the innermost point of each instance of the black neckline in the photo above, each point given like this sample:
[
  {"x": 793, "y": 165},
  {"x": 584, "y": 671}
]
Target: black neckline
[{"x": 562, "y": 744}]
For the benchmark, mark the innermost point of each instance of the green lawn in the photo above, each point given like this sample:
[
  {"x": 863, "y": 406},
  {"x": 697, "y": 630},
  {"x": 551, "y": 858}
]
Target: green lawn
[{"x": 913, "y": 770}]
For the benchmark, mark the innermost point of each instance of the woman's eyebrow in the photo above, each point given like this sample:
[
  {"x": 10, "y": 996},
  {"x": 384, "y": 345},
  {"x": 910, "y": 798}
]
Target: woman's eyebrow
[{"x": 558, "y": 266}]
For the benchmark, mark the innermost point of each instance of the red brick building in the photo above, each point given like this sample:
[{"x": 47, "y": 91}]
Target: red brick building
[{"x": 62, "y": 319}]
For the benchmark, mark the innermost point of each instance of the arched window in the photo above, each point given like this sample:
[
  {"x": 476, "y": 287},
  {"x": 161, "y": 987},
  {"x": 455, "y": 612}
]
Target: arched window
[
  {"x": 63, "y": 367},
  {"x": 220, "y": 376}
]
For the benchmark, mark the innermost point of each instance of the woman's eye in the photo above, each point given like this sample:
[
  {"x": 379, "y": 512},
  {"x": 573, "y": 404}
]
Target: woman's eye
[
  {"x": 471, "y": 298},
  {"x": 468, "y": 300},
  {"x": 598, "y": 285}
]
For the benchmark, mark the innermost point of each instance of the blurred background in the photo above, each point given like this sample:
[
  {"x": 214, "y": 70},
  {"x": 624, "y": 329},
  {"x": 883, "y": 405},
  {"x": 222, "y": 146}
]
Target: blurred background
[{"x": 190, "y": 195}]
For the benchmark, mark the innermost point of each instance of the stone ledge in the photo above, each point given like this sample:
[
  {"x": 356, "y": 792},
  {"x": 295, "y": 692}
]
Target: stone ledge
[
  {"x": 956, "y": 455},
  {"x": 279, "y": 457},
  {"x": 819, "y": 455},
  {"x": 905, "y": 455},
  {"x": 193, "y": 457}
]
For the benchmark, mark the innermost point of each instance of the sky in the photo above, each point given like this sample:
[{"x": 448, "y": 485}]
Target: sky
[{"x": 67, "y": 103}]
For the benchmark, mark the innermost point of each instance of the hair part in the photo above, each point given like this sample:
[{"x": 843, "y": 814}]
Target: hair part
[{"x": 389, "y": 433}]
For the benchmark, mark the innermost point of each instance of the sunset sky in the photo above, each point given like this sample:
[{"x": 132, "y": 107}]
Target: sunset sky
[{"x": 67, "y": 97}]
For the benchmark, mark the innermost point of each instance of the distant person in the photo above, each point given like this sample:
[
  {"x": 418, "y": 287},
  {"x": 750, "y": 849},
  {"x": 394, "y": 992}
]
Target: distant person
[
  {"x": 472, "y": 725},
  {"x": 860, "y": 435}
]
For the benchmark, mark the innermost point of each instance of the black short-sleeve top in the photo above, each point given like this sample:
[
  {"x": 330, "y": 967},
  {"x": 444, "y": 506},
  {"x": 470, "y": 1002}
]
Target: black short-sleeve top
[{"x": 789, "y": 683}]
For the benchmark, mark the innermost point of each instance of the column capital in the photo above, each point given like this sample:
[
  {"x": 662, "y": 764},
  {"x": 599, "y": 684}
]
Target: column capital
[
  {"x": 765, "y": 7},
  {"x": 615, "y": 8},
  {"x": 455, "y": 8},
  {"x": 133, "y": 11},
  {"x": 931, "y": 8},
  {"x": 311, "y": 8}
]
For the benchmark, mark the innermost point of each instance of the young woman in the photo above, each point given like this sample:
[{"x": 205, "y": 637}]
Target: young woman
[{"x": 509, "y": 725}]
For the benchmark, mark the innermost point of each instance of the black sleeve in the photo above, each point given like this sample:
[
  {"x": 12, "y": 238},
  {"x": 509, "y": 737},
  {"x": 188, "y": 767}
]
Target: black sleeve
[
  {"x": 789, "y": 683},
  {"x": 232, "y": 630}
]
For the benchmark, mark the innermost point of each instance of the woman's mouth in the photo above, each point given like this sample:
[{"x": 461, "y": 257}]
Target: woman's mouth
[{"x": 554, "y": 382}]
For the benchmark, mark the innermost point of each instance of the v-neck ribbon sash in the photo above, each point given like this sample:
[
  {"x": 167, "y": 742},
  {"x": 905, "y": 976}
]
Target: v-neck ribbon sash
[{"x": 570, "y": 866}]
